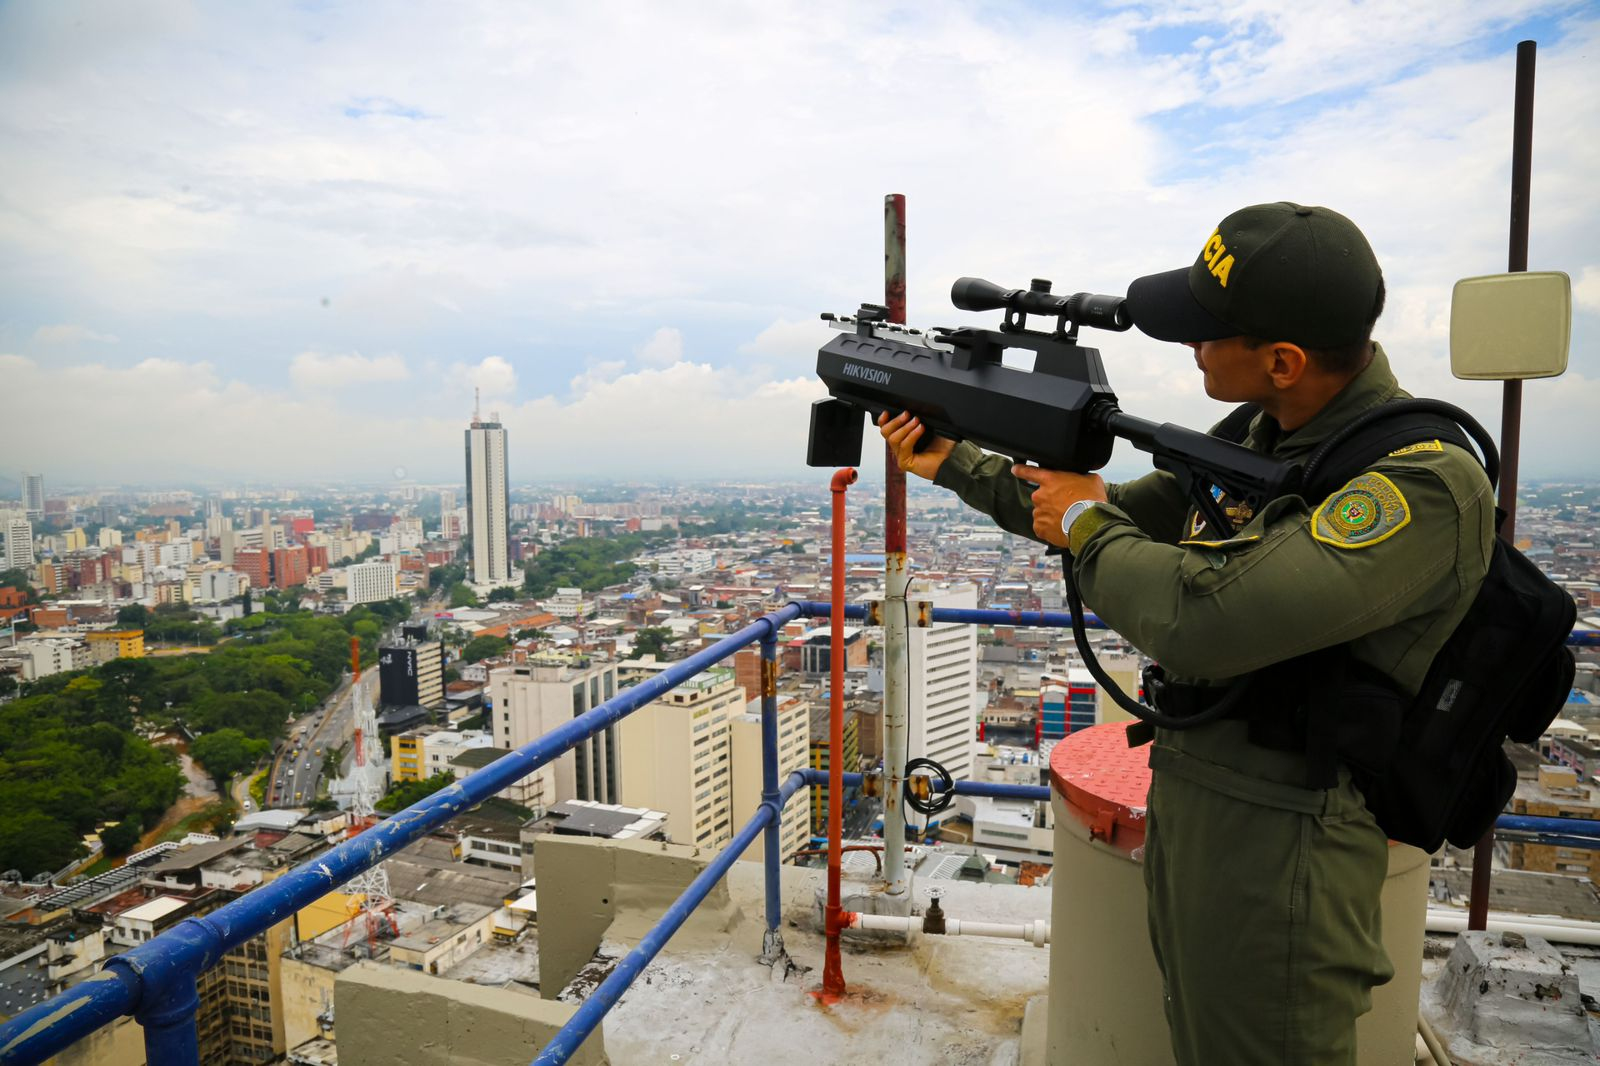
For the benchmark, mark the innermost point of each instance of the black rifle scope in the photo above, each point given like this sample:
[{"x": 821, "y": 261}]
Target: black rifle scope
[{"x": 1082, "y": 308}]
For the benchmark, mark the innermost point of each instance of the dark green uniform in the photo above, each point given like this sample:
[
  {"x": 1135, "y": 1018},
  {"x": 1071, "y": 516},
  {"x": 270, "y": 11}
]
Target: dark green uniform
[{"x": 1264, "y": 894}]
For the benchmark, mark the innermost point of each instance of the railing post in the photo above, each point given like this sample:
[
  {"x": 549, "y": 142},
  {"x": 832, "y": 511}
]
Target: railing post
[
  {"x": 772, "y": 857},
  {"x": 170, "y": 1035}
]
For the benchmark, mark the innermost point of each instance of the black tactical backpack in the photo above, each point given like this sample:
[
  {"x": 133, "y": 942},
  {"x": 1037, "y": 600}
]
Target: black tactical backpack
[{"x": 1433, "y": 768}]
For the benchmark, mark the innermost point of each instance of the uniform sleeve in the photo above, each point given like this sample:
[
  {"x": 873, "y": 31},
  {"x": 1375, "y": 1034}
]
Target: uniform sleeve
[
  {"x": 1298, "y": 577},
  {"x": 984, "y": 482},
  {"x": 1154, "y": 503}
]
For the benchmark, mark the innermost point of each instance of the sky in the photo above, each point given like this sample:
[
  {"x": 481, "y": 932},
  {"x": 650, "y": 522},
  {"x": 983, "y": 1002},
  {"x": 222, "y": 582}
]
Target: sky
[{"x": 273, "y": 242}]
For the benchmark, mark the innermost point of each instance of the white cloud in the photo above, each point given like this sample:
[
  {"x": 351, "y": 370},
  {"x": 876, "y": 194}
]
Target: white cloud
[
  {"x": 493, "y": 378},
  {"x": 314, "y": 370},
  {"x": 1586, "y": 290},
  {"x": 664, "y": 347},
  {"x": 70, "y": 334},
  {"x": 194, "y": 178}
]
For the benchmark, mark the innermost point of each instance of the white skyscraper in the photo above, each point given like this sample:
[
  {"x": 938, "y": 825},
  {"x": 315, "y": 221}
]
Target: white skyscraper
[
  {"x": 370, "y": 582},
  {"x": 18, "y": 553},
  {"x": 944, "y": 679},
  {"x": 33, "y": 495},
  {"x": 487, "y": 531}
]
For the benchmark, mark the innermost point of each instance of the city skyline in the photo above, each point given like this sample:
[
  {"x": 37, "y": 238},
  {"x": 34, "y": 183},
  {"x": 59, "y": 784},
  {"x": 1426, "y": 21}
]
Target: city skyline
[{"x": 250, "y": 240}]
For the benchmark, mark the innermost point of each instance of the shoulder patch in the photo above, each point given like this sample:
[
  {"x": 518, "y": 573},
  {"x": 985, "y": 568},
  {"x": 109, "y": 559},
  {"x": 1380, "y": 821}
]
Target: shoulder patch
[
  {"x": 1420, "y": 446},
  {"x": 1369, "y": 509}
]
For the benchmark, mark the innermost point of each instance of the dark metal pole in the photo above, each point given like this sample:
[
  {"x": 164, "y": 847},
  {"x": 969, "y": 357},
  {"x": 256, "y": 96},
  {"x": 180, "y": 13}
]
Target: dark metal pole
[
  {"x": 896, "y": 577},
  {"x": 1511, "y": 398}
]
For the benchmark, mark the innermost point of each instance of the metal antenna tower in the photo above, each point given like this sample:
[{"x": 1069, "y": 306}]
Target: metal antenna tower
[{"x": 373, "y": 883}]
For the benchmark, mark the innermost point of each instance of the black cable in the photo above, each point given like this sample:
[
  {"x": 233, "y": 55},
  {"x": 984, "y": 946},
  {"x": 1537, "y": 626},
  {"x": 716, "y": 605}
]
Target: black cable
[
  {"x": 940, "y": 795},
  {"x": 1080, "y": 636}
]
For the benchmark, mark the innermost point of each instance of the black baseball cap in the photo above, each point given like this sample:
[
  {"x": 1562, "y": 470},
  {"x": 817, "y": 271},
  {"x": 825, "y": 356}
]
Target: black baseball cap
[{"x": 1274, "y": 271}]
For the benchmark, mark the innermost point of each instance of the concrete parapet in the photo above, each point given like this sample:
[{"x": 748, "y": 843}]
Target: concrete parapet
[{"x": 389, "y": 1017}]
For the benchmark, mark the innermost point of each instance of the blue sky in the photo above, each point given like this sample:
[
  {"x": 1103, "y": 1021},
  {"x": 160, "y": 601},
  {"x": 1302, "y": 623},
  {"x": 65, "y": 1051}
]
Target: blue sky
[{"x": 259, "y": 241}]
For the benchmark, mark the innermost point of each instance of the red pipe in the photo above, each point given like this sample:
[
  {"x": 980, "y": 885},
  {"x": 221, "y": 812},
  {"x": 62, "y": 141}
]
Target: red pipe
[{"x": 832, "y": 972}]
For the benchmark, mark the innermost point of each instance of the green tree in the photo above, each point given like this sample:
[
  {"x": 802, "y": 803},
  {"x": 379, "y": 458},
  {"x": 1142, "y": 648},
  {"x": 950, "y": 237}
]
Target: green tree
[
  {"x": 121, "y": 838},
  {"x": 227, "y": 752},
  {"x": 36, "y": 843},
  {"x": 652, "y": 640},
  {"x": 504, "y": 594},
  {"x": 134, "y": 614},
  {"x": 462, "y": 596},
  {"x": 405, "y": 793},
  {"x": 479, "y": 648}
]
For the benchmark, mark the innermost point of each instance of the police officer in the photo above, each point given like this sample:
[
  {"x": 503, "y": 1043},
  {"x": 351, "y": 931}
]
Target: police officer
[{"x": 1263, "y": 890}]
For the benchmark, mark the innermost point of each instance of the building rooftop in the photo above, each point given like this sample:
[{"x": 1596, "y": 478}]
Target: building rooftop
[{"x": 586, "y": 818}]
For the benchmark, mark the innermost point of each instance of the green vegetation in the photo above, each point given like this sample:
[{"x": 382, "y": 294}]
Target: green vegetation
[
  {"x": 174, "y": 624},
  {"x": 121, "y": 838},
  {"x": 479, "y": 648},
  {"x": 217, "y": 818},
  {"x": 588, "y": 563},
  {"x": 71, "y": 758},
  {"x": 404, "y": 793},
  {"x": 227, "y": 752},
  {"x": 444, "y": 577},
  {"x": 462, "y": 596},
  {"x": 333, "y": 761},
  {"x": 652, "y": 640},
  {"x": 258, "y": 787}
]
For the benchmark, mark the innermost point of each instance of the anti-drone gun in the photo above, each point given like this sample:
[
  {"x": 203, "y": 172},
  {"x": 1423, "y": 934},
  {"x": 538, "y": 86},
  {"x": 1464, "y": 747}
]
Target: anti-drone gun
[{"x": 1060, "y": 414}]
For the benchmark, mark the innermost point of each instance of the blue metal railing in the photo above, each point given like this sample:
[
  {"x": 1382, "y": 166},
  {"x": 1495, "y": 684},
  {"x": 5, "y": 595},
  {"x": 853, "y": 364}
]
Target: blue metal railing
[{"x": 156, "y": 981}]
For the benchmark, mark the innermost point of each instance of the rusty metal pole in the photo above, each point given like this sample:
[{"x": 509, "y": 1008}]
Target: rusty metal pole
[
  {"x": 1511, "y": 399},
  {"x": 896, "y": 578},
  {"x": 833, "y": 985}
]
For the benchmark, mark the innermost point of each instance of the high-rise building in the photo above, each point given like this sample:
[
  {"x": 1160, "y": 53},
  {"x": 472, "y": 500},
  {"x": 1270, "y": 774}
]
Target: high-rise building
[
  {"x": 411, "y": 674},
  {"x": 370, "y": 582},
  {"x": 33, "y": 495},
  {"x": 794, "y": 734},
  {"x": 677, "y": 756},
  {"x": 255, "y": 564},
  {"x": 944, "y": 677},
  {"x": 487, "y": 528},
  {"x": 19, "y": 543},
  {"x": 532, "y": 699}
]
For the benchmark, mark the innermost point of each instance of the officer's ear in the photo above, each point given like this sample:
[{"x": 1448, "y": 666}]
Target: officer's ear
[{"x": 1286, "y": 364}]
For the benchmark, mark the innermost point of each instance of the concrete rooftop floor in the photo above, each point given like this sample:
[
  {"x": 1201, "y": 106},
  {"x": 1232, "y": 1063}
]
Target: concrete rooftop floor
[{"x": 937, "y": 1000}]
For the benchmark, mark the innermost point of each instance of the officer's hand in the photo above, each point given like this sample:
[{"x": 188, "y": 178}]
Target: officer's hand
[
  {"x": 1057, "y": 490},
  {"x": 903, "y": 431}
]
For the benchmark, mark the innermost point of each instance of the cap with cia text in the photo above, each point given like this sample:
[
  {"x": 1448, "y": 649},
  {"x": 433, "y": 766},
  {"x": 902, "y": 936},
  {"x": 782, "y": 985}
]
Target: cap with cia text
[{"x": 1280, "y": 272}]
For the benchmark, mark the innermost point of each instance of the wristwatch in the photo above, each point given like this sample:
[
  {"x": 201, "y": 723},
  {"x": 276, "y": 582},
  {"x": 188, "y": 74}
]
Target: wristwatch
[{"x": 1074, "y": 513}]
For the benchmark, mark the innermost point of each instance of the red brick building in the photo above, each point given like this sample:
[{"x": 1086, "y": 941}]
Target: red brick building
[
  {"x": 290, "y": 567},
  {"x": 255, "y": 564}
]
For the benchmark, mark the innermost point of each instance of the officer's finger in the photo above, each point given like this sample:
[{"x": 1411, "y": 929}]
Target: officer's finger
[{"x": 1033, "y": 475}]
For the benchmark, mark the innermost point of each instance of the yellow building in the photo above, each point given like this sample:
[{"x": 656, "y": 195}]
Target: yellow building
[
  {"x": 74, "y": 540},
  {"x": 115, "y": 644},
  {"x": 405, "y": 756},
  {"x": 677, "y": 756},
  {"x": 794, "y": 732},
  {"x": 1557, "y": 793},
  {"x": 820, "y": 745}
]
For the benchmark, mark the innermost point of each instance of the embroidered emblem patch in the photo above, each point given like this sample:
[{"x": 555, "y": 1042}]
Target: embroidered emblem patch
[
  {"x": 1420, "y": 446},
  {"x": 1367, "y": 510},
  {"x": 1239, "y": 514}
]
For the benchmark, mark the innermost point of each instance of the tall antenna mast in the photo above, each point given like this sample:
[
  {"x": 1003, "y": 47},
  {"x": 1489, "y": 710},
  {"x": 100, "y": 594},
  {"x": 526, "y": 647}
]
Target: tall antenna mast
[{"x": 477, "y": 403}]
